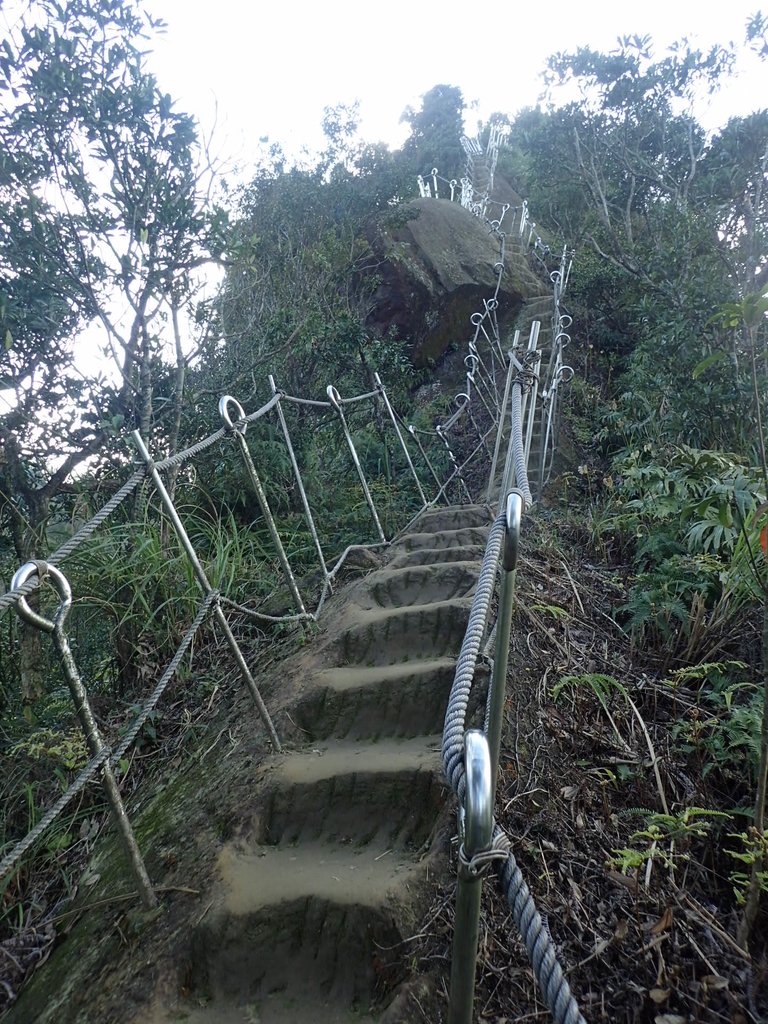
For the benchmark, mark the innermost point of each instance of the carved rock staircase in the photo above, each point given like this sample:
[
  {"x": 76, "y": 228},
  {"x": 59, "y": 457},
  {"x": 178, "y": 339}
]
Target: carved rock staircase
[{"x": 314, "y": 900}]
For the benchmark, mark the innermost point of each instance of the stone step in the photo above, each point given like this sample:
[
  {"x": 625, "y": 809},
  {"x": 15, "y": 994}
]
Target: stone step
[
  {"x": 389, "y": 636},
  {"x": 457, "y": 517},
  {"x": 471, "y": 536},
  {"x": 353, "y": 793},
  {"x": 366, "y": 703},
  {"x": 311, "y": 922},
  {"x": 402, "y": 587},
  {"x": 462, "y": 553}
]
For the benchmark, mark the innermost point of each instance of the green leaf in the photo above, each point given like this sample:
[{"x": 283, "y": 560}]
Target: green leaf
[
  {"x": 711, "y": 360},
  {"x": 8, "y": 341}
]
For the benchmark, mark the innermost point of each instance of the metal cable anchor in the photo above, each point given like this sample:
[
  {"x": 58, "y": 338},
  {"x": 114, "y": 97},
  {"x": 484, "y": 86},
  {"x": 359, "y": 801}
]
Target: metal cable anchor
[{"x": 94, "y": 741}]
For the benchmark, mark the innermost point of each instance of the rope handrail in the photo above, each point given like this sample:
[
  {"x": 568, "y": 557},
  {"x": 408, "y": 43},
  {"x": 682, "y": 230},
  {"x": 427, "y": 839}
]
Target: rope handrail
[{"x": 487, "y": 846}]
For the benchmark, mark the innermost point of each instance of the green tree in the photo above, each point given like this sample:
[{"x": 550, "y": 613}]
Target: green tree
[
  {"x": 436, "y": 131},
  {"x": 102, "y": 220}
]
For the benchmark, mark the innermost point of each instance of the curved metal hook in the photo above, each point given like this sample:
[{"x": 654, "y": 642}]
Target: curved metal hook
[
  {"x": 554, "y": 277},
  {"x": 225, "y": 401},
  {"x": 564, "y": 339},
  {"x": 492, "y": 304},
  {"x": 514, "y": 515},
  {"x": 60, "y": 584},
  {"x": 462, "y": 394},
  {"x": 476, "y": 319},
  {"x": 564, "y": 375},
  {"x": 565, "y": 320},
  {"x": 334, "y": 397},
  {"x": 478, "y": 803}
]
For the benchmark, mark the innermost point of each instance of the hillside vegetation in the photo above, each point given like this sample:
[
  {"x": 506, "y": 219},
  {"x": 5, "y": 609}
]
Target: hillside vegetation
[{"x": 641, "y": 634}]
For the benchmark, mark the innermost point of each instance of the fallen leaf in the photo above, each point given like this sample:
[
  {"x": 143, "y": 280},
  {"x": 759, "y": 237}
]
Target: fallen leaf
[
  {"x": 622, "y": 929},
  {"x": 625, "y": 880},
  {"x": 714, "y": 982},
  {"x": 670, "y": 1018},
  {"x": 664, "y": 923},
  {"x": 660, "y": 995}
]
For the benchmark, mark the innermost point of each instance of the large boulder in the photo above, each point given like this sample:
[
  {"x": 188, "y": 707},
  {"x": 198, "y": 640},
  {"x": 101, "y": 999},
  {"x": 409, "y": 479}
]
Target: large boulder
[{"x": 437, "y": 265}]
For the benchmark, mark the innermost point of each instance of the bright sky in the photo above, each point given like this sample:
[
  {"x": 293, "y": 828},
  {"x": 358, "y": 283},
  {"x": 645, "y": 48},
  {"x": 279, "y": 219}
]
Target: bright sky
[{"x": 269, "y": 67}]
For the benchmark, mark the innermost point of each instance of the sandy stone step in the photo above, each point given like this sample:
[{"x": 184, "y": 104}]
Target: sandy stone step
[
  {"x": 312, "y": 922},
  {"x": 456, "y": 517},
  {"x": 284, "y": 1007},
  {"x": 274, "y": 1008},
  {"x": 355, "y": 793},
  {"x": 400, "y": 587},
  {"x": 381, "y": 700},
  {"x": 431, "y": 556},
  {"x": 389, "y": 636},
  {"x": 471, "y": 536}
]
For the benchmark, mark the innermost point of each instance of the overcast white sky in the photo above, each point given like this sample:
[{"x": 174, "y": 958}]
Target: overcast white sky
[{"x": 269, "y": 68}]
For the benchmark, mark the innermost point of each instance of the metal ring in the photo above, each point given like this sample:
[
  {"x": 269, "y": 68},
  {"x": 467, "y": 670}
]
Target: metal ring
[
  {"x": 473, "y": 360},
  {"x": 333, "y": 396},
  {"x": 461, "y": 394},
  {"x": 433, "y": 172},
  {"x": 564, "y": 339},
  {"x": 226, "y": 400},
  {"x": 514, "y": 515},
  {"x": 492, "y": 304},
  {"x": 476, "y": 319},
  {"x": 565, "y": 320},
  {"x": 61, "y": 586},
  {"x": 554, "y": 277},
  {"x": 478, "y": 821},
  {"x": 498, "y": 266},
  {"x": 561, "y": 375}
]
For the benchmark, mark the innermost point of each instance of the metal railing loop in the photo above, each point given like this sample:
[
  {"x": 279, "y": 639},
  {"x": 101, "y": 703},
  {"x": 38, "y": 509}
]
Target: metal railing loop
[
  {"x": 43, "y": 571},
  {"x": 239, "y": 425}
]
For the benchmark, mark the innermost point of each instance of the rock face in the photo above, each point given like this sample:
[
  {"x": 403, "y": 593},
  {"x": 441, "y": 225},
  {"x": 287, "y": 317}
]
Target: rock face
[{"x": 437, "y": 268}]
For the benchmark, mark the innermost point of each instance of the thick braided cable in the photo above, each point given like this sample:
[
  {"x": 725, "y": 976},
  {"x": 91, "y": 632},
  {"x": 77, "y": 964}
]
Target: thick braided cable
[
  {"x": 11, "y": 859},
  {"x": 189, "y": 453},
  {"x": 458, "y": 701},
  {"x": 537, "y": 940},
  {"x": 170, "y": 672},
  {"x": 263, "y": 617},
  {"x": 91, "y": 769},
  {"x": 518, "y": 444},
  {"x": 74, "y": 542}
]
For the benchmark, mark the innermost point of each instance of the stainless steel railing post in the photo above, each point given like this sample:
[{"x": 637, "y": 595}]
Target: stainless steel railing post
[
  {"x": 206, "y": 588},
  {"x": 84, "y": 711},
  {"x": 238, "y": 429},
  {"x": 500, "y": 431},
  {"x": 478, "y": 828},
  {"x": 401, "y": 439},
  {"x": 335, "y": 400},
  {"x": 498, "y": 685}
]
